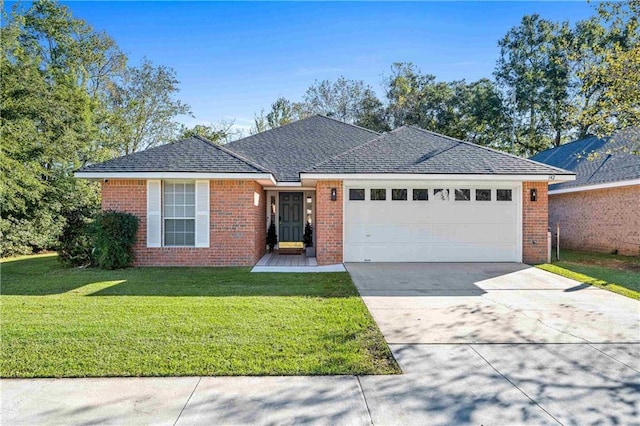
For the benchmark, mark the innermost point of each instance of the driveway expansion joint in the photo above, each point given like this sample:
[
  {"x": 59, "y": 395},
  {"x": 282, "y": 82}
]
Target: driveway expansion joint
[
  {"x": 514, "y": 385},
  {"x": 187, "y": 401},
  {"x": 364, "y": 397}
]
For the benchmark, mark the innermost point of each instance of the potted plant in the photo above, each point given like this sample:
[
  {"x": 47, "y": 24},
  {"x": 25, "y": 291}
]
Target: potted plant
[
  {"x": 272, "y": 237},
  {"x": 307, "y": 239}
]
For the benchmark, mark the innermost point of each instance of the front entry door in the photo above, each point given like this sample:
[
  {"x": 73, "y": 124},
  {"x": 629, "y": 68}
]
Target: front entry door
[{"x": 291, "y": 217}]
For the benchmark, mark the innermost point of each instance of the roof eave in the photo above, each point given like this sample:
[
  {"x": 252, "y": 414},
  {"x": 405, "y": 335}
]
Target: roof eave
[
  {"x": 313, "y": 176},
  {"x": 262, "y": 178}
]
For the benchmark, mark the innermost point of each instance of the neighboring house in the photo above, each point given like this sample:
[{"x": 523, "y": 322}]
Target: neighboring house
[
  {"x": 600, "y": 210},
  {"x": 407, "y": 195}
]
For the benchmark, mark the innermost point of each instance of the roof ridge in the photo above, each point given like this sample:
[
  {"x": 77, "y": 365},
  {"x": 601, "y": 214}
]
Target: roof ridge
[
  {"x": 380, "y": 136},
  {"x": 232, "y": 153},
  {"x": 486, "y": 148},
  {"x": 345, "y": 123}
]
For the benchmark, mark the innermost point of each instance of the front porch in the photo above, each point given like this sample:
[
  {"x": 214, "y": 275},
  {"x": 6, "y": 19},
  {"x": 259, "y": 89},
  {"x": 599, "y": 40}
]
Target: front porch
[{"x": 276, "y": 262}]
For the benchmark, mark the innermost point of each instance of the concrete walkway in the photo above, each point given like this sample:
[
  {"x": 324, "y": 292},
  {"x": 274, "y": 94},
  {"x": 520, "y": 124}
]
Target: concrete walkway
[{"x": 479, "y": 344}]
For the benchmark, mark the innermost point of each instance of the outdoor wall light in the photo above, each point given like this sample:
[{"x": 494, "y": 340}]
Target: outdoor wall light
[
  {"x": 534, "y": 194},
  {"x": 334, "y": 194}
]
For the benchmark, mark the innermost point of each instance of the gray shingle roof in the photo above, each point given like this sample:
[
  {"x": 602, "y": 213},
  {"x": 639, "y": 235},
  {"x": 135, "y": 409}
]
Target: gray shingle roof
[
  {"x": 413, "y": 150},
  {"x": 194, "y": 154},
  {"x": 289, "y": 149},
  {"x": 595, "y": 160}
]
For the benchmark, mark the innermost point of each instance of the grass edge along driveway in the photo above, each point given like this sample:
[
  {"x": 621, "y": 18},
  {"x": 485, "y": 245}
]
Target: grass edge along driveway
[
  {"x": 60, "y": 322},
  {"x": 618, "y": 274}
]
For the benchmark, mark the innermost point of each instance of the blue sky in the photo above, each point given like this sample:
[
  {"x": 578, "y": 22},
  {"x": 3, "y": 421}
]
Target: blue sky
[{"x": 235, "y": 58}]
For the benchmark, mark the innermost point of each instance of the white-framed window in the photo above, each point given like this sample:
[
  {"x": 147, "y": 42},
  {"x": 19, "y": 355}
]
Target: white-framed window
[{"x": 179, "y": 213}]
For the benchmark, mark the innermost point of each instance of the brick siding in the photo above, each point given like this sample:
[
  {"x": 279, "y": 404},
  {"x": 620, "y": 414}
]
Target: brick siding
[
  {"x": 237, "y": 224},
  {"x": 602, "y": 220},
  {"x": 534, "y": 223},
  {"x": 329, "y": 222}
]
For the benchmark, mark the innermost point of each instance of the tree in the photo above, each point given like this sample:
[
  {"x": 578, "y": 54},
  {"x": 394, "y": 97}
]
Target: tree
[
  {"x": 610, "y": 75},
  {"x": 53, "y": 67},
  {"x": 350, "y": 101},
  {"x": 534, "y": 72},
  {"x": 142, "y": 108},
  {"x": 220, "y": 132},
  {"x": 282, "y": 112}
]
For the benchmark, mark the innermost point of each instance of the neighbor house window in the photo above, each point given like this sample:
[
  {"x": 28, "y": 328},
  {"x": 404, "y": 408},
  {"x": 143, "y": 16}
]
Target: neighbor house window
[
  {"x": 441, "y": 194},
  {"x": 463, "y": 195},
  {"x": 483, "y": 195},
  {"x": 356, "y": 194},
  {"x": 378, "y": 194},
  {"x": 399, "y": 194},
  {"x": 420, "y": 194},
  {"x": 503, "y": 194},
  {"x": 179, "y": 213}
]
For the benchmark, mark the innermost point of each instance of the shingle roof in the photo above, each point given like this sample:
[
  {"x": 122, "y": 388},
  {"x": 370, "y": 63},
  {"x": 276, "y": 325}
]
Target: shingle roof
[
  {"x": 595, "y": 160},
  {"x": 289, "y": 149},
  {"x": 194, "y": 154},
  {"x": 409, "y": 150}
]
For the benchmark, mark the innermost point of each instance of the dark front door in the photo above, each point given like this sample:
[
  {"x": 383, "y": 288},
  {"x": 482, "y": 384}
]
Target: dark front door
[{"x": 290, "y": 217}]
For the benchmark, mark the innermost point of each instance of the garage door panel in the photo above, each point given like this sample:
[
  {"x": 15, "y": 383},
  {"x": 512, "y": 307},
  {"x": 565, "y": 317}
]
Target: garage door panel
[
  {"x": 421, "y": 233},
  {"x": 430, "y": 252},
  {"x": 431, "y": 231}
]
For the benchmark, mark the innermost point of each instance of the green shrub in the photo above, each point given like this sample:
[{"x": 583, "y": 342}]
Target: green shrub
[
  {"x": 32, "y": 235},
  {"x": 75, "y": 247},
  {"x": 272, "y": 236},
  {"x": 114, "y": 234}
]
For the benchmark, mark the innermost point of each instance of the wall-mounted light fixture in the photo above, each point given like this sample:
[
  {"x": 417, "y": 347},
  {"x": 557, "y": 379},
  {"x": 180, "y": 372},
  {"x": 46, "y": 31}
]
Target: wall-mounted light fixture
[
  {"x": 534, "y": 194},
  {"x": 334, "y": 194}
]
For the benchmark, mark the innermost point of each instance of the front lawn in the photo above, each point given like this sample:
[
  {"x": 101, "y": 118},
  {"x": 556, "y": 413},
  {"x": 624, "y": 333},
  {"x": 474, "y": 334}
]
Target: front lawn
[
  {"x": 58, "y": 322},
  {"x": 619, "y": 274}
]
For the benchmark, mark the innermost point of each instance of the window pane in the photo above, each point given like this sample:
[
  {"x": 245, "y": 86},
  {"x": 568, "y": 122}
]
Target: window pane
[
  {"x": 463, "y": 195},
  {"x": 169, "y": 211},
  {"x": 190, "y": 198},
  {"x": 503, "y": 195},
  {"x": 179, "y": 199},
  {"x": 378, "y": 194},
  {"x": 399, "y": 194},
  {"x": 190, "y": 211},
  {"x": 441, "y": 194},
  {"x": 179, "y": 211},
  {"x": 356, "y": 194},
  {"x": 169, "y": 225},
  {"x": 179, "y": 239},
  {"x": 190, "y": 188},
  {"x": 190, "y": 225},
  {"x": 420, "y": 194},
  {"x": 190, "y": 239},
  {"x": 483, "y": 195}
]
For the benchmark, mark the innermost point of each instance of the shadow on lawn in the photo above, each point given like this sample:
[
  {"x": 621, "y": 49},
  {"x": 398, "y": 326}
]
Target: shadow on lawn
[{"x": 46, "y": 276}]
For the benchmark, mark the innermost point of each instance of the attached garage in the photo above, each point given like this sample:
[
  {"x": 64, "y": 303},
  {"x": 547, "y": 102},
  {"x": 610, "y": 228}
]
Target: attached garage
[{"x": 431, "y": 221}]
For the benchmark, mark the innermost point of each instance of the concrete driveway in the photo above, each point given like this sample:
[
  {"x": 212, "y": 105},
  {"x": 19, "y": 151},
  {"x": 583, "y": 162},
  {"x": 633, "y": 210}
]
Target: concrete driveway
[{"x": 500, "y": 343}]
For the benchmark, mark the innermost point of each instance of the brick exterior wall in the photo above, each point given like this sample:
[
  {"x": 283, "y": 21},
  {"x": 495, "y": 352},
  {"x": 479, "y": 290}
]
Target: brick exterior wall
[
  {"x": 534, "y": 223},
  {"x": 328, "y": 223},
  {"x": 237, "y": 225},
  {"x": 602, "y": 220}
]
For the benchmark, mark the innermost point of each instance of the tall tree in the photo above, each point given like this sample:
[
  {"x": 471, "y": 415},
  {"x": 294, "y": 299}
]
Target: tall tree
[
  {"x": 221, "y": 132},
  {"x": 610, "y": 74},
  {"x": 534, "y": 71},
  {"x": 143, "y": 109},
  {"x": 351, "y": 101},
  {"x": 283, "y": 111},
  {"x": 53, "y": 67}
]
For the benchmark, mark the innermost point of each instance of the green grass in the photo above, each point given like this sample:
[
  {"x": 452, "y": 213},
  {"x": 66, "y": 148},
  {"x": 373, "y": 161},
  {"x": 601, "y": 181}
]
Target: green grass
[
  {"x": 619, "y": 274},
  {"x": 58, "y": 322}
]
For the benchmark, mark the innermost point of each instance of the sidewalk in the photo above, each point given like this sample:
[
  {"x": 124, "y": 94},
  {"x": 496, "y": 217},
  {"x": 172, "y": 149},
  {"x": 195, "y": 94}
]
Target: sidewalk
[{"x": 443, "y": 384}]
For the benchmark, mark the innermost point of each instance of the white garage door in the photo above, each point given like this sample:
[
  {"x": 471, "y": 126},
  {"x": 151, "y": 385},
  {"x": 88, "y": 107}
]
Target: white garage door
[{"x": 395, "y": 222}]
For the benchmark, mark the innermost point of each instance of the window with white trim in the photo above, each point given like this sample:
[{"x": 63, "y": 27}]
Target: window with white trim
[{"x": 179, "y": 213}]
